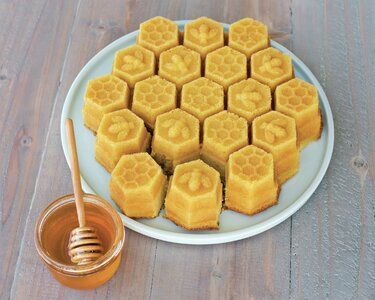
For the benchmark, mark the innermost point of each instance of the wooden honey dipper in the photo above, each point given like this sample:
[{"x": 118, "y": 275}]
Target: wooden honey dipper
[{"x": 84, "y": 243}]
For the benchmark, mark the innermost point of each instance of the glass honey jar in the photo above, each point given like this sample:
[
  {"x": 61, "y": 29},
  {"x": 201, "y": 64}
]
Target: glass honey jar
[{"x": 52, "y": 232}]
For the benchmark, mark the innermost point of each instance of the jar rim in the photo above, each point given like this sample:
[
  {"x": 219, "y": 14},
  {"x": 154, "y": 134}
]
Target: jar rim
[{"x": 98, "y": 264}]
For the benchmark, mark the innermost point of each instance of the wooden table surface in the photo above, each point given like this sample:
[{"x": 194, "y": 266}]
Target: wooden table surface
[{"x": 325, "y": 250}]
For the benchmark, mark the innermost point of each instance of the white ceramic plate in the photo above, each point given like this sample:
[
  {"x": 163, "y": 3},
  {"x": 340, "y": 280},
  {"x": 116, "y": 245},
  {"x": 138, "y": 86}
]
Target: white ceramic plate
[{"x": 233, "y": 226}]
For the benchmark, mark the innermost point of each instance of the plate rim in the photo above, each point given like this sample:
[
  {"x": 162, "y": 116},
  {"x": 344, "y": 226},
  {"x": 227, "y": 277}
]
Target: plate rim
[{"x": 220, "y": 237}]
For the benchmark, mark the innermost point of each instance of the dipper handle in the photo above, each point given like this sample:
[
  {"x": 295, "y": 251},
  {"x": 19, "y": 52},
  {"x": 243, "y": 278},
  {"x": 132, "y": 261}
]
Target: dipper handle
[{"x": 76, "y": 177}]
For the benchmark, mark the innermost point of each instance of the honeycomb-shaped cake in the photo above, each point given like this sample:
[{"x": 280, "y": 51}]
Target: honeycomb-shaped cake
[
  {"x": 250, "y": 183},
  {"x": 152, "y": 97},
  {"x": 103, "y": 95},
  {"x": 276, "y": 133},
  {"x": 137, "y": 185},
  {"x": 194, "y": 196},
  {"x": 120, "y": 132},
  {"x": 223, "y": 134},
  {"x": 158, "y": 34},
  {"x": 202, "y": 98},
  {"x": 203, "y": 35},
  {"x": 180, "y": 65},
  {"x": 248, "y": 36},
  {"x": 226, "y": 66},
  {"x": 133, "y": 64},
  {"x": 157, "y": 85},
  {"x": 176, "y": 139},
  {"x": 299, "y": 100},
  {"x": 249, "y": 99},
  {"x": 272, "y": 67}
]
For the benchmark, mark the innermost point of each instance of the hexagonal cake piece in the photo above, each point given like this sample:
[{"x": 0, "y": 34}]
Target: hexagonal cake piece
[
  {"x": 248, "y": 36},
  {"x": 202, "y": 98},
  {"x": 250, "y": 183},
  {"x": 133, "y": 64},
  {"x": 103, "y": 95},
  {"x": 120, "y": 132},
  {"x": 271, "y": 67},
  {"x": 276, "y": 133},
  {"x": 226, "y": 66},
  {"x": 194, "y": 196},
  {"x": 203, "y": 35},
  {"x": 223, "y": 134},
  {"x": 176, "y": 139},
  {"x": 249, "y": 99},
  {"x": 299, "y": 100},
  {"x": 137, "y": 185},
  {"x": 180, "y": 65},
  {"x": 152, "y": 97},
  {"x": 158, "y": 34}
]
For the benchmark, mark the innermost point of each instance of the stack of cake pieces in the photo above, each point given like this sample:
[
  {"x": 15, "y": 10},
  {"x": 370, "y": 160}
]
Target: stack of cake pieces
[{"x": 187, "y": 117}]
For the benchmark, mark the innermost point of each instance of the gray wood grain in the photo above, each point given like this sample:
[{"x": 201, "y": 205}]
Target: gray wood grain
[
  {"x": 333, "y": 250},
  {"x": 254, "y": 268},
  {"x": 326, "y": 250},
  {"x": 33, "y": 42}
]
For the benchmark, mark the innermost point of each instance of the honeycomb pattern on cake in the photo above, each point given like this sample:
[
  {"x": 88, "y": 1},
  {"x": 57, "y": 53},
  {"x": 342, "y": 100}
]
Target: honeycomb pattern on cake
[
  {"x": 137, "y": 185},
  {"x": 272, "y": 67},
  {"x": 250, "y": 183},
  {"x": 299, "y": 100},
  {"x": 180, "y": 65},
  {"x": 276, "y": 133},
  {"x": 158, "y": 34},
  {"x": 249, "y": 99},
  {"x": 103, "y": 95},
  {"x": 202, "y": 98},
  {"x": 152, "y": 97},
  {"x": 120, "y": 132},
  {"x": 194, "y": 197},
  {"x": 203, "y": 35},
  {"x": 134, "y": 64},
  {"x": 176, "y": 139},
  {"x": 157, "y": 84},
  {"x": 248, "y": 36},
  {"x": 223, "y": 134},
  {"x": 226, "y": 66}
]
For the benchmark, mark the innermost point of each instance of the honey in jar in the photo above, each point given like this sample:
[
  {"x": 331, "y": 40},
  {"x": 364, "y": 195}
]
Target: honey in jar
[{"x": 52, "y": 237}]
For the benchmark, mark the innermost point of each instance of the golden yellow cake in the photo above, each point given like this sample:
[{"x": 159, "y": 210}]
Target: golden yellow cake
[
  {"x": 158, "y": 34},
  {"x": 194, "y": 196},
  {"x": 249, "y": 99},
  {"x": 103, "y": 95},
  {"x": 138, "y": 185},
  {"x": 180, "y": 65},
  {"x": 299, "y": 100},
  {"x": 226, "y": 66},
  {"x": 223, "y": 134},
  {"x": 272, "y": 67},
  {"x": 251, "y": 186},
  {"x": 176, "y": 139},
  {"x": 120, "y": 132},
  {"x": 248, "y": 36},
  {"x": 191, "y": 89},
  {"x": 152, "y": 97},
  {"x": 133, "y": 64},
  {"x": 202, "y": 98},
  {"x": 203, "y": 35},
  {"x": 275, "y": 132}
]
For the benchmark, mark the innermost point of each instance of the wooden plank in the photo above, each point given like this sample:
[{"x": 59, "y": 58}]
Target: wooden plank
[
  {"x": 333, "y": 253},
  {"x": 255, "y": 268},
  {"x": 252, "y": 266},
  {"x": 97, "y": 24},
  {"x": 32, "y": 56}
]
